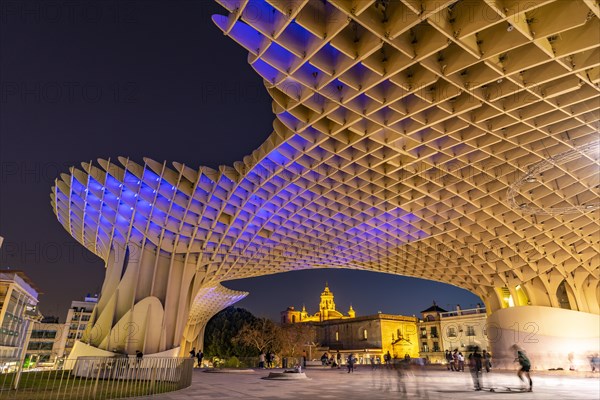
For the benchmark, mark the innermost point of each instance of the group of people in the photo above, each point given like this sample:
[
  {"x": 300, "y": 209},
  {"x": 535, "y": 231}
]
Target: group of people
[
  {"x": 335, "y": 361},
  {"x": 478, "y": 361},
  {"x": 455, "y": 361},
  {"x": 266, "y": 360},
  {"x": 198, "y": 355}
]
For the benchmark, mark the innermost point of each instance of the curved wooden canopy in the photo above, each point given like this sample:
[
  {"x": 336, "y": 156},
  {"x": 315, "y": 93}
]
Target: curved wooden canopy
[{"x": 401, "y": 126}]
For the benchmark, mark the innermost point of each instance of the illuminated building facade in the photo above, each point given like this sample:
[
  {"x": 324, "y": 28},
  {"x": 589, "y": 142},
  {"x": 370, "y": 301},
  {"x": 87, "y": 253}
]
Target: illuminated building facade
[
  {"x": 18, "y": 310},
  {"x": 326, "y": 311},
  {"x": 370, "y": 336},
  {"x": 463, "y": 329},
  {"x": 46, "y": 346},
  {"x": 429, "y": 330},
  {"x": 454, "y": 141},
  {"x": 77, "y": 321}
]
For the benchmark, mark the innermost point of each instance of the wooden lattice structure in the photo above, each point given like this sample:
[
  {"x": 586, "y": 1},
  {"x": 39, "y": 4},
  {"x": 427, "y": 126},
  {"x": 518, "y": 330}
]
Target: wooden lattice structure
[{"x": 404, "y": 140}]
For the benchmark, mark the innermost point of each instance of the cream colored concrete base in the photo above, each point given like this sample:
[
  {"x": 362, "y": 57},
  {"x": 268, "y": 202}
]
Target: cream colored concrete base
[
  {"x": 81, "y": 349},
  {"x": 548, "y": 336}
]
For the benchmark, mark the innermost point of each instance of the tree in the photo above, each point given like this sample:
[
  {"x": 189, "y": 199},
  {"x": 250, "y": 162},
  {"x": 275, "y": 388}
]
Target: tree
[
  {"x": 262, "y": 335},
  {"x": 293, "y": 338},
  {"x": 222, "y": 328}
]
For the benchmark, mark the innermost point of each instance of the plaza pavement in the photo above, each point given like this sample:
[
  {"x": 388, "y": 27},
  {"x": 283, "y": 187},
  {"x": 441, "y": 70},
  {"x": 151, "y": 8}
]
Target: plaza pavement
[{"x": 431, "y": 383}]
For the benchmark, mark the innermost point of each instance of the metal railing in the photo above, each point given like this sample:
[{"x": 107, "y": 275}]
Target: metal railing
[{"x": 96, "y": 378}]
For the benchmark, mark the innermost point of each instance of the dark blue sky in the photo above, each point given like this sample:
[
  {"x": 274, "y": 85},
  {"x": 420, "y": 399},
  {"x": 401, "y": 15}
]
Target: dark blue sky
[{"x": 152, "y": 78}]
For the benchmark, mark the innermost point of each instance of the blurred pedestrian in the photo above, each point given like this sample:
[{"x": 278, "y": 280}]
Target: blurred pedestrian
[
  {"x": 487, "y": 360},
  {"x": 449, "y": 361},
  {"x": 199, "y": 356},
  {"x": 475, "y": 367},
  {"x": 525, "y": 366},
  {"x": 351, "y": 361}
]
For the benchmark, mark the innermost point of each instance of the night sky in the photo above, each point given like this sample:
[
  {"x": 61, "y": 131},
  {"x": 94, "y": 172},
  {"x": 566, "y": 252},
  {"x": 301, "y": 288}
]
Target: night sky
[{"x": 81, "y": 80}]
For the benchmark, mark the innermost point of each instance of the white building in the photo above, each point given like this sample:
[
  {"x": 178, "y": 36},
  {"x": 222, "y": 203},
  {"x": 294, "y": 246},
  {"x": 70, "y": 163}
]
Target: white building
[
  {"x": 18, "y": 309},
  {"x": 464, "y": 328},
  {"x": 77, "y": 320},
  {"x": 47, "y": 343}
]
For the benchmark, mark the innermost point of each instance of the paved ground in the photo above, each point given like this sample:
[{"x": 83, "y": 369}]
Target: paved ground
[{"x": 366, "y": 384}]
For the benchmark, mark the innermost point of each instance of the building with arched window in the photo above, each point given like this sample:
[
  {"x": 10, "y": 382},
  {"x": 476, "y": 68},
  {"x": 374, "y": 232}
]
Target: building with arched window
[{"x": 366, "y": 337}]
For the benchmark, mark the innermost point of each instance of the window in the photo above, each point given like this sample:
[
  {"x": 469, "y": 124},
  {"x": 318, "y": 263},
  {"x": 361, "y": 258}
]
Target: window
[
  {"x": 430, "y": 318},
  {"x": 562, "y": 296},
  {"x": 425, "y": 347},
  {"x": 365, "y": 334},
  {"x": 451, "y": 331},
  {"x": 436, "y": 346},
  {"x": 337, "y": 336},
  {"x": 434, "y": 332},
  {"x": 423, "y": 333},
  {"x": 293, "y": 319},
  {"x": 470, "y": 330}
]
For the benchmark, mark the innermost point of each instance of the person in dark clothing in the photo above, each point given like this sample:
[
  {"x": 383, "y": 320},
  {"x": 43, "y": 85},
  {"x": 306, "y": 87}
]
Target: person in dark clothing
[
  {"x": 475, "y": 365},
  {"x": 449, "y": 360},
  {"x": 351, "y": 361},
  {"x": 193, "y": 353},
  {"x": 487, "y": 361},
  {"x": 525, "y": 365},
  {"x": 199, "y": 356},
  {"x": 139, "y": 356}
]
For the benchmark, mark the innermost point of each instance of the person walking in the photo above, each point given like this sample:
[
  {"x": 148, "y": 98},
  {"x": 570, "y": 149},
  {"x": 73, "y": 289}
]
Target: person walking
[
  {"x": 461, "y": 362},
  {"x": 455, "y": 360},
  {"x": 525, "y": 366},
  {"x": 338, "y": 358},
  {"x": 450, "y": 364},
  {"x": 487, "y": 360},
  {"x": 193, "y": 353},
  {"x": 351, "y": 361},
  {"x": 475, "y": 366},
  {"x": 199, "y": 356},
  {"x": 261, "y": 360}
]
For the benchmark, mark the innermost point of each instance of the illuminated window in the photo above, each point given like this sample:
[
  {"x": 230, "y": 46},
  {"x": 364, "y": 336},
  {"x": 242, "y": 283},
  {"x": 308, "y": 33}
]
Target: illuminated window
[
  {"x": 364, "y": 334},
  {"x": 337, "y": 336},
  {"x": 522, "y": 297},
  {"x": 506, "y": 297}
]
